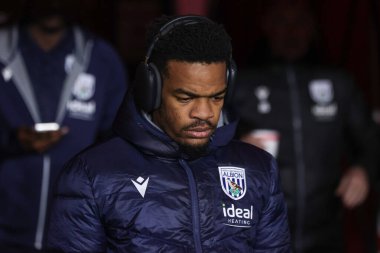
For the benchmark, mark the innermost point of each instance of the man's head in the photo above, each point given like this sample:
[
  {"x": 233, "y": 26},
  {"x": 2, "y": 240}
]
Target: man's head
[
  {"x": 289, "y": 26},
  {"x": 49, "y": 16},
  {"x": 192, "y": 59}
]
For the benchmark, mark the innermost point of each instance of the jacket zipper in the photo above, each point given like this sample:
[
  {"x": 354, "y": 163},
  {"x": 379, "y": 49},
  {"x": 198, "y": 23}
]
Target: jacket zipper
[
  {"x": 43, "y": 203},
  {"x": 298, "y": 149},
  {"x": 194, "y": 205}
]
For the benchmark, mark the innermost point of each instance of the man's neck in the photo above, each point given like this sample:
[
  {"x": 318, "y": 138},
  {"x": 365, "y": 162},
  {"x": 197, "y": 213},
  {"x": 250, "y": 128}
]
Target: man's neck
[{"x": 46, "y": 41}]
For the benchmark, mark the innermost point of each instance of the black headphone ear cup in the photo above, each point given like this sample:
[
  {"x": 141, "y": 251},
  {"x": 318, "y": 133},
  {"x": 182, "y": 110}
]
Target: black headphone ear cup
[
  {"x": 157, "y": 86},
  {"x": 231, "y": 77},
  {"x": 147, "y": 87}
]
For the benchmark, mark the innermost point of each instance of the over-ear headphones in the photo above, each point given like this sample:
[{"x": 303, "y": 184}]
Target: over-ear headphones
[{"x": 148, "y": 81}]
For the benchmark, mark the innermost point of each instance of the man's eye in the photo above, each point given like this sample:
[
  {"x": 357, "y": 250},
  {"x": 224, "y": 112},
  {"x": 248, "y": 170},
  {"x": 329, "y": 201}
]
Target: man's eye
[
  {"x": 218, "y": 98},
  {"x": 184, "y": 100}
]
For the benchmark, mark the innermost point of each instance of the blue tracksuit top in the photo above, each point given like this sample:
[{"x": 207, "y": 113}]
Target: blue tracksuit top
[
  {"x": 26, "y": 179},
  {"x": 138, "y": 193}
]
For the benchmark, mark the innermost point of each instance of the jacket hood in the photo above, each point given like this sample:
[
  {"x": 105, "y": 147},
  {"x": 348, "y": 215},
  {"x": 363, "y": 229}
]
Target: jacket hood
[{"x": 132, "y": 126}]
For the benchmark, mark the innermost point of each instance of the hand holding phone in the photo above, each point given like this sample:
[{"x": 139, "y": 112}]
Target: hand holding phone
[
  {"x": 41, "y": 137},
  {"x": 45, "y": 127}
]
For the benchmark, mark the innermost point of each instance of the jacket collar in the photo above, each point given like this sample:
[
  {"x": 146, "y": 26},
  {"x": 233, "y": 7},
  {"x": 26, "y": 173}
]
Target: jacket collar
[{"x": 131, "y": 125}]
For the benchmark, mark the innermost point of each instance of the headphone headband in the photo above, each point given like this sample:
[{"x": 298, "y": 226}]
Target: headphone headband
[
  {"x": 148, "y": 80},
  {"x": 166, "y": 28}
]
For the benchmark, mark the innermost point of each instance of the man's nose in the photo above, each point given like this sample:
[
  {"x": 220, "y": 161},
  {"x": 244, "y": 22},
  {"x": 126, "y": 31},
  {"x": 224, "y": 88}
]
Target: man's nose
[{"x": 202, "y": 109}]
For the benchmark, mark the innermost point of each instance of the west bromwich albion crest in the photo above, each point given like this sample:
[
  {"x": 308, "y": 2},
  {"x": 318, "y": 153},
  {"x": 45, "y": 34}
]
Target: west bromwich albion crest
[
  {"x": 84, "y": 86},
  {"x": 233, "y": 181},
  {"x": 321, "y": 91}
]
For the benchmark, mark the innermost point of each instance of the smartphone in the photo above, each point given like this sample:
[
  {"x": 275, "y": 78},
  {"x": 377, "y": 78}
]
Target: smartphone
[{"x": 45, "y": 127}]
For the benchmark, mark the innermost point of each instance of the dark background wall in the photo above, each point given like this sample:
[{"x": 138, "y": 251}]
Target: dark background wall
[{"x": 349, "y": 29}]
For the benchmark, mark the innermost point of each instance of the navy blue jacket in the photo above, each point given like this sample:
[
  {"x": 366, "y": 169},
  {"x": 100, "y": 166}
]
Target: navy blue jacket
[
  {"x": 138, "y": 193},
  {"x": 26, "y": 178}
]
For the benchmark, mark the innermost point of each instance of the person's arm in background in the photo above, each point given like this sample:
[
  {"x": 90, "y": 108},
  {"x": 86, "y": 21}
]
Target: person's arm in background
[
  {"x": 9, "y": 144},
  {"x": 273, "y": 234},
  {"x": 362, "y": 144},
  {"x": 116, "y": 89},
  {"x": 241, "y": 95},
  {"x": 23, "y": 140}
]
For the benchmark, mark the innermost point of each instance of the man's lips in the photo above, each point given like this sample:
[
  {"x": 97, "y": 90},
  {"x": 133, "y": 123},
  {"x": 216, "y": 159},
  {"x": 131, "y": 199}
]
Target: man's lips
[{"x": 199, "y": 132}]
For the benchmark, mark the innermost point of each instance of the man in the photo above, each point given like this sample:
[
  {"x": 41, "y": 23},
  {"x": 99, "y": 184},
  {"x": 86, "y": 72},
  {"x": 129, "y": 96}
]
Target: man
[
  {"x": 60, "y": 87},
  {"x": 313, "y": 120},
  {"x": 173, "y": 180}
]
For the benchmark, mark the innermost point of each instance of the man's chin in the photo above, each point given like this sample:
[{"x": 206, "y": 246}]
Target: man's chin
[{"x": 194, "y": 150}]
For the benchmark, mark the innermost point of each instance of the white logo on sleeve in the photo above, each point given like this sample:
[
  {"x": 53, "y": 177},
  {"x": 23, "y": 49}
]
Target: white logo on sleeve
[{"x": 141, "y": 185}]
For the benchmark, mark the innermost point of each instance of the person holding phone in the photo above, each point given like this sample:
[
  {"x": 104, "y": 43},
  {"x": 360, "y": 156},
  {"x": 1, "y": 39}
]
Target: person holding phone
[{"x": 60, "y": 89}]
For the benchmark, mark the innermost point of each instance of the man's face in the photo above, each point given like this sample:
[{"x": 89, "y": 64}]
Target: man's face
[
  {"x": 290, "y": 31},
  {"x": 192, "y": 98}
]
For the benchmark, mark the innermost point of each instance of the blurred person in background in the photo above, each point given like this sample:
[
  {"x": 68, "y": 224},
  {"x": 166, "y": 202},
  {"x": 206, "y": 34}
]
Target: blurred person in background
[
  {"x": 60, "y": 89},
  {"x": 313, "y": 120}
]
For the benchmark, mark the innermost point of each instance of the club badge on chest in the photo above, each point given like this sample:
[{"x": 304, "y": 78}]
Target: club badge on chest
[
  {"x": 82, "y": 105},
  {"x": 322, "y": 93}
]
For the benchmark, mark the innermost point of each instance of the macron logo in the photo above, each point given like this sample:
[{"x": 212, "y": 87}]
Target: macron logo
[{"x": 141, "y": 185}]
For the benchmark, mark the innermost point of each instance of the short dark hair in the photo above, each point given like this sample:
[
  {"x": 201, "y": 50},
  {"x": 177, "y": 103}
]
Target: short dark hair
[{"x": 203, "y": 41}]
